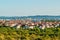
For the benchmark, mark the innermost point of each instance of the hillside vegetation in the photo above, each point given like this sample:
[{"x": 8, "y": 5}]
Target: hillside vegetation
[{"x": 7, "y": 33}]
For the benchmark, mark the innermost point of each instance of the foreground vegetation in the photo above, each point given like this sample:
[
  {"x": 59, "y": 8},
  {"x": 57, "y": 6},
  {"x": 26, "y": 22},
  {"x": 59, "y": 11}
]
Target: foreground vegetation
[{"x": 7, "y": 33}]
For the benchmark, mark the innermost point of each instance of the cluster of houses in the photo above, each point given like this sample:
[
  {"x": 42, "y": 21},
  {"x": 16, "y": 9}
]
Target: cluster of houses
[{"x": 28, "y": 24}]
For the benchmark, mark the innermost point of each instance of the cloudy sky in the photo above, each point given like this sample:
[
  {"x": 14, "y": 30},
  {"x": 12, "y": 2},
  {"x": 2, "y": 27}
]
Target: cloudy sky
[{"x": 29, "y": 7}]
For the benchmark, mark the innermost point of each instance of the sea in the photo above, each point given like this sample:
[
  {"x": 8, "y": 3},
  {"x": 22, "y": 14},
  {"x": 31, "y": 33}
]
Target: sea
[{"x": 37, "y": 17}]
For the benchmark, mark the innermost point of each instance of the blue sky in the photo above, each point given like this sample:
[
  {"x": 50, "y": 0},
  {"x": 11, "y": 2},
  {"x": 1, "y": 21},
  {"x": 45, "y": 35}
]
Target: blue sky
[{"x": 29, "y": 7}]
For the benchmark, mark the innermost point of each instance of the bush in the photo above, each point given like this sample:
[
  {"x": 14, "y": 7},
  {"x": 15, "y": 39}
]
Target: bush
[{"x": 7, "y": 33}]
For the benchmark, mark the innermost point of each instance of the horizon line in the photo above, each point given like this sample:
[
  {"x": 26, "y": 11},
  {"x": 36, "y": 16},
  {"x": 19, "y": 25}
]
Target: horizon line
[{"x": 29, "y": 15}]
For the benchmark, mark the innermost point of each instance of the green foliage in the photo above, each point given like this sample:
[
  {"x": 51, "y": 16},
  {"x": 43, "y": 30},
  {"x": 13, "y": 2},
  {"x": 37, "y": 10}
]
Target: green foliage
[{"x": 7, "y": 33}]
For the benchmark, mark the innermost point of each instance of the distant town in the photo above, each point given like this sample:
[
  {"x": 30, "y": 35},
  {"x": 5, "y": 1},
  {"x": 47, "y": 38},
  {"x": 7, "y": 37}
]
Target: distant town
[{"x": 31, "y": 23}]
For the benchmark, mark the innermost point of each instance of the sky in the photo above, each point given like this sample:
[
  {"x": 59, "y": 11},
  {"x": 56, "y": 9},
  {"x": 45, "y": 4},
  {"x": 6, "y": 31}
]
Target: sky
[{"x": 29, "y": 7}]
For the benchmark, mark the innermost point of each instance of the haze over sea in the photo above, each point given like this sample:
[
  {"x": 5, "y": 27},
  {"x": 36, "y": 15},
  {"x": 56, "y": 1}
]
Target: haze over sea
[{"x": 37, "y": 17}]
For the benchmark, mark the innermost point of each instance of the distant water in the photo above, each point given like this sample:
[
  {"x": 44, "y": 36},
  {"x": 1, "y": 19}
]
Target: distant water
[{"x": 38, "y": 17}]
